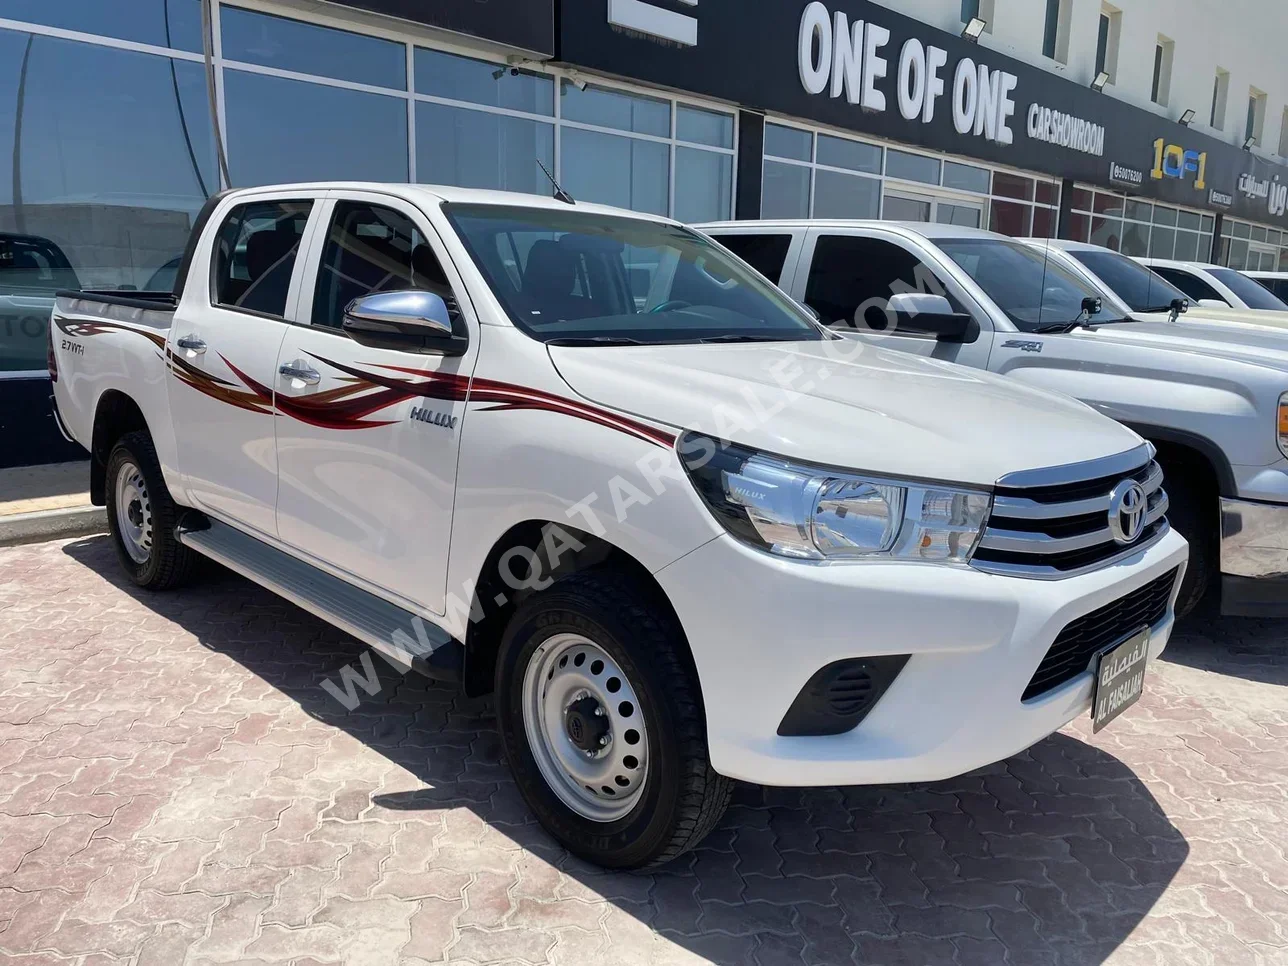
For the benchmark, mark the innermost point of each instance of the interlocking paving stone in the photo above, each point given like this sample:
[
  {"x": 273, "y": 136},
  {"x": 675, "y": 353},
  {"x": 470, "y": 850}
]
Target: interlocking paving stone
[{"x": 177, "y": 788}]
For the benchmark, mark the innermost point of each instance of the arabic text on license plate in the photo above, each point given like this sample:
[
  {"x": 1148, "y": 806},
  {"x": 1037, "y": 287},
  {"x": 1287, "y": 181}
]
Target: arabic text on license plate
[{"x": 1120, "y": 678}]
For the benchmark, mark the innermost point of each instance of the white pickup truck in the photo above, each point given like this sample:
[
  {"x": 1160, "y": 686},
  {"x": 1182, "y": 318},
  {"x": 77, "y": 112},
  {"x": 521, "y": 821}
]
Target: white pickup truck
[
  {"x": 587, "y": 460},
  {"x": 1211, "y": 396}
]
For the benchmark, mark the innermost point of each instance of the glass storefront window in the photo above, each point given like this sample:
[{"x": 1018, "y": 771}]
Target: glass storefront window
[
  {"x": 703, "y": 127},
  {"x": 163, "y": 23},
  {"x": 1135, "y": 239},
  {"x": 336, "y": 133},
  {"x": 853, "y": 155},
  {"x": 306, "y": 48},
  {"x": 476, "y": 149},
  {"x": 1010, "y": 218},
  {"x": 1162, "y": 242},
  {"x": 615, "y": 170},
  {"x": 617, "y": 109},
  {"x": 1045, "y": 222},
  {"x": 1142, "y": 211},
  {"x": 108, "y": 156},
  {"x": 966, "y": 177},
  {"x": 1187, "y": 247},
  {"x": 480, "y": 82},
  {"x": 703, "y": 184},
  {"x": 839, "y": 195},
  {"x": 1188, "y": 220},
  {"x": 1164, "y": 215},
  {"x": 912, "y": 167},
  {"x": 1012, "y": 186},
  {"x": 785, "y": 192},
  {"x": 788, "y": 142},
  {"x": 1048, "y": 193}
]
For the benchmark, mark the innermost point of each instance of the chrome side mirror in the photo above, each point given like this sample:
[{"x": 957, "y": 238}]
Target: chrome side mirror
[{"x": 414, "y": 321}]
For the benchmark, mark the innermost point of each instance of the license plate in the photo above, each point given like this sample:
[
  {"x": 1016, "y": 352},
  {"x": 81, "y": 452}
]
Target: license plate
[{"x": 1120, "y": 678}]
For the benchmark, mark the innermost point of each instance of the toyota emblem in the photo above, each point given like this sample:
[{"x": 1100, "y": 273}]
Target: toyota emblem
[{"x": 1127, "y": 506}]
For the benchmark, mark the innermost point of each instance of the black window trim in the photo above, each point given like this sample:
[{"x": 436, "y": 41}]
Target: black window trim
[{"x": 314, "y": 200}]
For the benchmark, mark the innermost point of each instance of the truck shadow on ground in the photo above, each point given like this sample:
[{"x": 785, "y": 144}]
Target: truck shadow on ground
[
  {"x": 1051, "y": 857},
  {"x": 1251, "y": 648}
]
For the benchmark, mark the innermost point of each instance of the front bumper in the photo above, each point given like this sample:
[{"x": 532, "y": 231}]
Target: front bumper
[
  {"x": 760, "y": 626},
  {"x": 1254, "y": 558}
]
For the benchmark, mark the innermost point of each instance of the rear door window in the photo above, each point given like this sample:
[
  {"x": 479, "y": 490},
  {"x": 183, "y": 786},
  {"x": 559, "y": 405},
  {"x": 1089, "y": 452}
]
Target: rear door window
[
  {"x": 255, "y": 254},
  {"x": 1191, "y": 285},
  {"x": 767, "y": 254}
]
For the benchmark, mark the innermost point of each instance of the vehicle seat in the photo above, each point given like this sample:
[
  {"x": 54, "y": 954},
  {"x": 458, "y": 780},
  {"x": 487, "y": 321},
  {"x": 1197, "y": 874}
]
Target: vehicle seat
[
  {"x": 548, "y": 281},
  {"x": 269, "y": 260}
]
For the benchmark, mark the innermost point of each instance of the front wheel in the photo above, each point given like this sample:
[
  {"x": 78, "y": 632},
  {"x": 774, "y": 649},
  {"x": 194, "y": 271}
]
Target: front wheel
[
  {"x": 142, "y": 515},
  {"x": 601, "y": 718}
]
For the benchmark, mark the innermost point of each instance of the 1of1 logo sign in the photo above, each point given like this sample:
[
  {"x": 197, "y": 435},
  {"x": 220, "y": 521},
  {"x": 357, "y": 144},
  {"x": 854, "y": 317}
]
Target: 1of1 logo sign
[{"x": 1173, "y": 161}]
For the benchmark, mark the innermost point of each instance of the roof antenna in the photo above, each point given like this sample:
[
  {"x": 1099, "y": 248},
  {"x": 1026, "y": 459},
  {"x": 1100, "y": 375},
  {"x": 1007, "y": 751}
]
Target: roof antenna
[{"x": 560, "y": 194}]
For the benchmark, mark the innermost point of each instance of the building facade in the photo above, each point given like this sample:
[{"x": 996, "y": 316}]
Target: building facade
[{"x": 118, "y": 118}]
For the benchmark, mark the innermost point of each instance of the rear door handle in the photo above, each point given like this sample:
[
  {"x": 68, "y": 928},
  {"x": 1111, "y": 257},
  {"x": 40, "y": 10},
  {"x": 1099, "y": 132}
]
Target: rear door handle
[
  {"x": 301, "y": 370},
  {"x": 191, "y": 343}
]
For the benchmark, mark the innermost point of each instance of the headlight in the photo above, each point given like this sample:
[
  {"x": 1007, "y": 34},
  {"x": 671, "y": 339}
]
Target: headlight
[
  {"x": 816, "y": 513},
  {"x": 1283, "y": 423}
]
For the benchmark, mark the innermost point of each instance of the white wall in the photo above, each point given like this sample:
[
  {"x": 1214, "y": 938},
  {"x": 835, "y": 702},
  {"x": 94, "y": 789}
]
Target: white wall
[{"x": 1248, "y": 38}]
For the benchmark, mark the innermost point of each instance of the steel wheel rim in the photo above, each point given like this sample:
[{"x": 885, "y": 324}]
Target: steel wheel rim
[
  {"x": 567, "y": 675},
  {"x": 134, "y": 512}
]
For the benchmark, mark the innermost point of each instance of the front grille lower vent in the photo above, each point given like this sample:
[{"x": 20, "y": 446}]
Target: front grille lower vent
[{"x": 1082, "y": 639}]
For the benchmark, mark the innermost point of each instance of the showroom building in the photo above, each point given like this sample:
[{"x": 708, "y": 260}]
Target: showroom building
[{"x": 118, "y": 118}]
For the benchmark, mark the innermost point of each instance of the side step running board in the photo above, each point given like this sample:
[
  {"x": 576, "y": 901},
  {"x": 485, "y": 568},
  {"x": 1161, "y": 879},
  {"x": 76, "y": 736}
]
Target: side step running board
[{"x": 398, "y": 635}]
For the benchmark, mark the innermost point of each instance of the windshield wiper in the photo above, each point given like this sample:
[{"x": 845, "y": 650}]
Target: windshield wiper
[
  {"x": 583, "y": 340},
  {"x": 742, "y": 337},
  {"x": 1079, "y": 322}
]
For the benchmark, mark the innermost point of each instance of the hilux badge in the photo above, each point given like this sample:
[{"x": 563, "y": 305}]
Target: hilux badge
[{"x": 434, "y": 419}]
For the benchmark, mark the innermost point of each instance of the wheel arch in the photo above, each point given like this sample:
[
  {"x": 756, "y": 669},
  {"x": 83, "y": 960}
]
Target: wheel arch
[
  {"x": 115, "y": 414},
  {"x": 495, "y": 599},
  {"x": 1178, "y": 443}
]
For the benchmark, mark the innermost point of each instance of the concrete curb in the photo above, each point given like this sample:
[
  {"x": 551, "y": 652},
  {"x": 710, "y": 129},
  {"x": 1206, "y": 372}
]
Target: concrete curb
[{"x": 76, "y": 521}]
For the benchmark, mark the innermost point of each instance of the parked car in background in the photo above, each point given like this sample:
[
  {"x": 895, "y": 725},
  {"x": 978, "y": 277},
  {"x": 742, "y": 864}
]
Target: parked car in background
[
  {"x": 1277, "y": 282},
  {"x": 688, "y": 540},
  {"x": 32, "y": 269},
  {"x": 1211, "y": 397},
  {"x": 1139, "y": 290},
  {"x": 1215, "y": 286}
]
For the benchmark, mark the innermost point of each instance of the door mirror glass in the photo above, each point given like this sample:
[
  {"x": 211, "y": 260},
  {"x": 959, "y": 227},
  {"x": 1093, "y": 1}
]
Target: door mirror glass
[
  {"x": 411, "y": 320},
  {"x": 925, "y": 314}
]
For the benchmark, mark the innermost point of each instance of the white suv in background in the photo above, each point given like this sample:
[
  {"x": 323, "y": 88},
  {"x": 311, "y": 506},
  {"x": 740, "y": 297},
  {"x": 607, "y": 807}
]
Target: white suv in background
[
  {"x": 1215, "y": 286},
  {"x": 1277, "y": 282}
]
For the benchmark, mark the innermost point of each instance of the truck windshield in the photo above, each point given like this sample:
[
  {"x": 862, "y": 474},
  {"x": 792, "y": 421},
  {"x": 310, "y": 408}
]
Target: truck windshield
[
  {"x": 1253, "y": 293},
  {"x": 577, "y": 277},
  {"x": 1031, "y": 288},
  {"x": 1142, "y": 289}
]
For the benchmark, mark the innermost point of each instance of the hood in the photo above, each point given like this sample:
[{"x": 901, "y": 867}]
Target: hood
[
  {"x": 1261, "y": 345},
  {"x": 1233, "y": 316},
  {"x": 848, "y": 404}
]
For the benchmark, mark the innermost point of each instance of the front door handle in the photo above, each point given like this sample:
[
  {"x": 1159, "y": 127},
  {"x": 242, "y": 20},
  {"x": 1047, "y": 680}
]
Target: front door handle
[
  {"x": 301, "y": 370},
  {"x": 191, "y": 343}
]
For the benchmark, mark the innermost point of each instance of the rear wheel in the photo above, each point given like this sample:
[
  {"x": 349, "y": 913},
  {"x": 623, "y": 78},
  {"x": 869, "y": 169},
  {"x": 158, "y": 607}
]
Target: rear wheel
[
  {"x": 600, "y": 714},
  {"x": 142, "y": 515}
]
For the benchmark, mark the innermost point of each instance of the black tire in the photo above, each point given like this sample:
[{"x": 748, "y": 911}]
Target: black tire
[
  {"x": 168, "y": 562},
  {"x": 1194, "y": 512},
  {"x": 682, "y": 798}
]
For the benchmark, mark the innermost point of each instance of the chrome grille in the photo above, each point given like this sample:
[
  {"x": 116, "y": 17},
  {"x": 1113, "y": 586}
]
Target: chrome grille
[{"x": 1055, "y": 522}]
